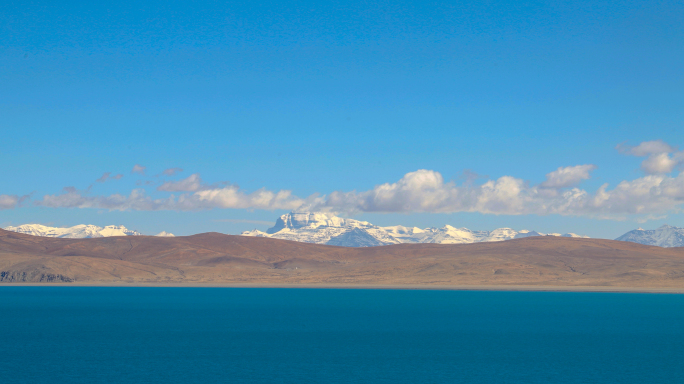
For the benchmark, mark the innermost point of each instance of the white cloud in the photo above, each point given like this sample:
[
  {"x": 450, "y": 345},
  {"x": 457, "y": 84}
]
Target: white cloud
[
  {"x": 107, "y": 176},
  {"x": 138, "y": 200},
  {"x": 419, "y": 191},
  {"x": 658, "y": 163},
  {"x": 73, "y": 198},
  {"x": 9, "y": 201},
  {"x": 190, "y": 184},
  {"x": 139, "y": 169},
  {"x": 652, "y": 194},
  {"x": 426, "y": 191},
  {"x": 567, "y": 176},
  {"x": 172, "y": 171},
  {"x": 233, "y": 197},
  {"x": 660, "y": 157},
  {"x": 647, "y": 148}
]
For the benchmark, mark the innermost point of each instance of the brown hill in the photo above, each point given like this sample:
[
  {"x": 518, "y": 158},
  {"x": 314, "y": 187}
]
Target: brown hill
[{"x": 213, "y": 258}]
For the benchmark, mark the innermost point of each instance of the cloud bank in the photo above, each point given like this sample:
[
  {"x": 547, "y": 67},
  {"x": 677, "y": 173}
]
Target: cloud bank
[
  {"x": 426, "y": 191},
  {"x": 657, "y": 192},
  {"x": 138, "y": 200}
]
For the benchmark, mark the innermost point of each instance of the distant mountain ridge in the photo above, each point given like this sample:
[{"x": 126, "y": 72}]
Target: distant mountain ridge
[
  {"x": 325, "y": 228},
  {"x": 82, "y": 231},
  {"x": 217, "y": 259},
  {"x": 666, "y": 236}
]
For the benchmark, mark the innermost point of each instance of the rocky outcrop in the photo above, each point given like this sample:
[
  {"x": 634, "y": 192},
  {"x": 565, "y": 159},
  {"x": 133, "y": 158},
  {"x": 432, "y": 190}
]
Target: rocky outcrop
[{"x": 33, "y": 277}]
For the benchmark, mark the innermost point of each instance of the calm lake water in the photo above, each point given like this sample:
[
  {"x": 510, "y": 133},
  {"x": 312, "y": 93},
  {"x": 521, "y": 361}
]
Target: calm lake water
[{"x": 233, "y": 335}]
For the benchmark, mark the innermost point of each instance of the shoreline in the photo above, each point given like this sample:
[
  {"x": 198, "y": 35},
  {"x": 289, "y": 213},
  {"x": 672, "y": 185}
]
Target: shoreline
[{"x": 499, "y": 288}]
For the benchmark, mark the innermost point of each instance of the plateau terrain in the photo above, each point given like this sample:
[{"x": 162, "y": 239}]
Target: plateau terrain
[{"x": 219, "y": 259}]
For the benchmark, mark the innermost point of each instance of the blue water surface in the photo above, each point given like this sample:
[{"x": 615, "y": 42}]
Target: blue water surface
[{"x": 252, "y": 335}]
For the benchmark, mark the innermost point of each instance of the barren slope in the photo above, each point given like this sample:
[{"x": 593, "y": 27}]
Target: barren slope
[{"x": 214, "y": 258}]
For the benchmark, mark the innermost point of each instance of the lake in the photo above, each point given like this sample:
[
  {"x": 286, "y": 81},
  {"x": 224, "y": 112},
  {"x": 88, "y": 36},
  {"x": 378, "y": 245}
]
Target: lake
[{"x": 268, "y": 335}]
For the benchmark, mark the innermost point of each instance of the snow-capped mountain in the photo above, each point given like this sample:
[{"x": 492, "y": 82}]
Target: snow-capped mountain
[
  {"x": 321, "y": 228},
  {"x": 165, "y": 234},
  {"x": 324, "y": 228},
  {"x": 76, "y": 232},
  {"x": 665, "y": 236}
]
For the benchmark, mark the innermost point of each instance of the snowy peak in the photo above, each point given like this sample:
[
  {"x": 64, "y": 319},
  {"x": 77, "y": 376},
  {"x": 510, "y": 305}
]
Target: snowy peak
[
  {"x": 82, "y": 231},
  {"x": 255, "y": 233},
  {"x": 325, "y": 228},
  {"x": 501, "y": 234},
  {"x": 356, "y": 237},
  {"x": 399, "y": 230},
  {"x": 450, "y": 235},
  {"x": 117, "y": 230},
  {"x": 525, "y": 233},
  {"x": 312, "y": 220},
  {"x": 322, "y": 228},
  {"x": 665, "y": 236}
]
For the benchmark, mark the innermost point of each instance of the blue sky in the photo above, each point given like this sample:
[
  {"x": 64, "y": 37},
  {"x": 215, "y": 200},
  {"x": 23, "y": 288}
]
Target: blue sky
[{"x": 328, "y": 98}]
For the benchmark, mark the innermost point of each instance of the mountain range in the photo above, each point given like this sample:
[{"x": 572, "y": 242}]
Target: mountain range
[
  {"x": 535, "y": 262},
  {"x": 83, "y": 231},
  {"x": 325, "y": 228},
  {"x": 666, "y": 236}
]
